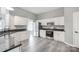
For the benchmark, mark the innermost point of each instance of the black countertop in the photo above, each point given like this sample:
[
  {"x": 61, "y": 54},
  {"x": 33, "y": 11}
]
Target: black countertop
[
  {"x": 5, "y": 32},
  {"x": 53, "y": 29},
  {"x": 12, "y": 30}
]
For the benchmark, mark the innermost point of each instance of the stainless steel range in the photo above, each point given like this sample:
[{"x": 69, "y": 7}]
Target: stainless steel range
[{"x": 49, "y": 33}]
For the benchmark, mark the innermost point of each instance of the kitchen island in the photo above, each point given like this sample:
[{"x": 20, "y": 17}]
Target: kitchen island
[
  {"x": 8, "y": 41},
  {"x": 5, "y": 32}
]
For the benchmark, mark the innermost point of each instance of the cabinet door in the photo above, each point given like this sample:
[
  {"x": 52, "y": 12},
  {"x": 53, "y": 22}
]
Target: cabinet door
[
  {"x": 3, "y": 44},
  {"x": 59, "y": 21},
  {"x": 43, "y": 21},
  {"x": 56, "y": 21},
  {"x": 20, "y": 36},
  {"x": 42, "y": 33},
  {"x": 20, "y": 20},
  {"x": 59, "y": 36},
  {"x": 56, "y": 35},
  {"x": 76, "y": 29},
  {"x": 62, "y": 36},
  {"x": 11, "y": 22}
]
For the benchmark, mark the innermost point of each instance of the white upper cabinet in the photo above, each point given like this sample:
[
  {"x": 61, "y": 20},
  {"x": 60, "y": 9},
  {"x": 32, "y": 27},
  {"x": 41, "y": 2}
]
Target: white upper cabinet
[
  {"x": 20, "y": 20},
  {"x": 59, "y": 36},
  {"x": 45, "y": 21},
  {"x": 59, "y": 21}
]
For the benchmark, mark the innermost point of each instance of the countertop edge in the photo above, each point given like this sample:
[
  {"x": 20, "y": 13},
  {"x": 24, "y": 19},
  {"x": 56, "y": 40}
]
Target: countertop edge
[
  {"x": 12, "y": 48},
  {"x": 54, "y": 29}
]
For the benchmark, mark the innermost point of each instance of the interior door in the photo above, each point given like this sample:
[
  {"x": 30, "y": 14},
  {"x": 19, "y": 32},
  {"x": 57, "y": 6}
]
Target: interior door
[{"x": 76, "y": 29}]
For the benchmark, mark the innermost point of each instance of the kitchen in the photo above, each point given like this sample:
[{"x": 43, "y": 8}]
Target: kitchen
[
  {"x": 55, "y": 28},
  {"x": 39, "y": 28}
]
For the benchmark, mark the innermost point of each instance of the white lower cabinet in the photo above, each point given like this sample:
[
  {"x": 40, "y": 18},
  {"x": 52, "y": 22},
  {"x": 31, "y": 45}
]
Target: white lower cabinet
[
  {"x": 43, "y": 33},
  {"x": 20, "y": 36},
  {"x": 4, "y": 43},
  {"x": 59, "y": 36},
  {"x": 15, "y": 50}
]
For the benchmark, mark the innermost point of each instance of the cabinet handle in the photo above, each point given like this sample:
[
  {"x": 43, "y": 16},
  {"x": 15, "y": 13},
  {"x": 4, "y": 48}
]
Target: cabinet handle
[{"x": 76, "y": 32}]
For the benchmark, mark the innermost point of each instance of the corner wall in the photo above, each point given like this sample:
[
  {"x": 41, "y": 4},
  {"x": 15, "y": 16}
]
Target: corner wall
[{"x": 68, "y": 18}]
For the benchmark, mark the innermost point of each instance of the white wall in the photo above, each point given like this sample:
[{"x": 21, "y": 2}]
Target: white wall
[
  {"x": 68, "y": 25},
  {"x": 68, "y": 16}
]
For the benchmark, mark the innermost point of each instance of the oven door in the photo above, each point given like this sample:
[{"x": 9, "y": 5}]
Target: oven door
[{"x": 49, "y": 33}]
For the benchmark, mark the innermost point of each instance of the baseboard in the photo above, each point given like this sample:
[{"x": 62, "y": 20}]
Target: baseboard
[
  {"x": 71, "y": 45},
  {"x": 65, "y": 43}
]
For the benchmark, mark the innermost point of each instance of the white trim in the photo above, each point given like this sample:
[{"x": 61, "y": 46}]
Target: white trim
[
  {"x": 71, "y": 45},
  {"x": 67, "y": 44}
]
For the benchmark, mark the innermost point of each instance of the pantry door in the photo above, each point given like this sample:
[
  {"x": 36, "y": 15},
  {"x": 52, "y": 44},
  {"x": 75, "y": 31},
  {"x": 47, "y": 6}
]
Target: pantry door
[{"x": 76, "y": 29}]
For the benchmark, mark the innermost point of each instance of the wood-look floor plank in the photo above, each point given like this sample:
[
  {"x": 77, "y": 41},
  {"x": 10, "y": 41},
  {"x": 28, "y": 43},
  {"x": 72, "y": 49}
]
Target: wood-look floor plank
[{"x": 46, "y": 45}]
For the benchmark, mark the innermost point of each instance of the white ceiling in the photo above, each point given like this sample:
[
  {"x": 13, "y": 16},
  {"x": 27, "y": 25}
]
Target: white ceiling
[{"x": 38, "y": 10}]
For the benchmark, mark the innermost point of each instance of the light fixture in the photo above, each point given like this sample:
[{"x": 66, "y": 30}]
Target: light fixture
[{"x": 10, "y": 8}]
